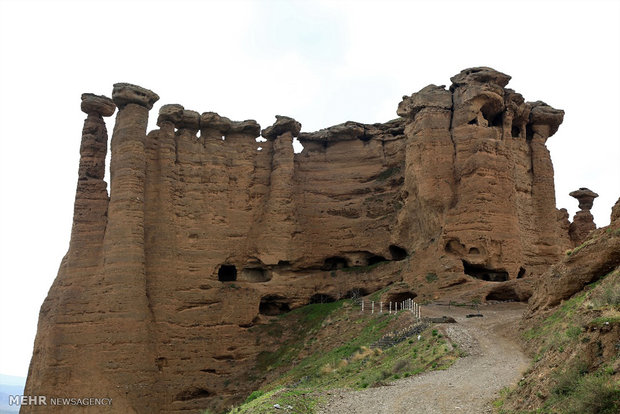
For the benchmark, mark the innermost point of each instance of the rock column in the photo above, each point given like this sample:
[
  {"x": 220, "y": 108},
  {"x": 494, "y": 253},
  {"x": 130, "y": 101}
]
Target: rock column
[
  {"x": 583, "y": 222},
  {"x": 124, "y": 267}
]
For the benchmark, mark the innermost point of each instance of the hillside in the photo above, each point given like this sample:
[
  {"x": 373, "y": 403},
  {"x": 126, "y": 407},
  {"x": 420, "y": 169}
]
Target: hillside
[{"x": 572, "y": 332}]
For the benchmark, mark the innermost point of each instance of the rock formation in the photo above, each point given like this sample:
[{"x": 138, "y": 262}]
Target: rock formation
[
  {"x": 205, "y": 235},
  {"x": 583, "y": 222},
  {"x": 597, "y": 256}
]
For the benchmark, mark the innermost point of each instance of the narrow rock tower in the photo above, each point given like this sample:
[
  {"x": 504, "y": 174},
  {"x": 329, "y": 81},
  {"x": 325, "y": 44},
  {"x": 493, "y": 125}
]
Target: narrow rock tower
[{"x": 583, "y": 222}]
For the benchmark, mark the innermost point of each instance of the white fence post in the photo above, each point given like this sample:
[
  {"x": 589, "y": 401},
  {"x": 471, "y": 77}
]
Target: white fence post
[
  {"x": 372, "y": 306},
  {"x": 380, "y": 307},
  {"x": 390, "y": 308},
  {"x": 362, "y": 305}
]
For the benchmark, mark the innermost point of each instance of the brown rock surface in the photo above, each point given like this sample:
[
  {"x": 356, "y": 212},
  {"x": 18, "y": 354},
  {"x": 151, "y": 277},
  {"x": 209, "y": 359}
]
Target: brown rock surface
[
  {"x": 593, "y": 259},
  {"x": 205, "y": 236}
]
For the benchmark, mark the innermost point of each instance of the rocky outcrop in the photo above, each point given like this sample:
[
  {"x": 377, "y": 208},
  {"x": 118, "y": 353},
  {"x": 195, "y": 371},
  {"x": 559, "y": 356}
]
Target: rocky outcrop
[
  {"x": 587, "y": 263},
  {"x": 208, "y": 232},
  {"x": 583, "y": 222}
]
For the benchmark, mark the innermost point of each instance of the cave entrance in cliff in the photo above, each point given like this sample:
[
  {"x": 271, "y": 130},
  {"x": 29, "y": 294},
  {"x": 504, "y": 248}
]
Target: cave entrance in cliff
[
  {"x": 335, "y": 263},
  {"x": 227, "y": 273},
  {"x": 272, "y": 305},
  {"x": 521, "y": 273},
  {"x": 356, "y": 293},
  {"x": 400, "y": 296},
  {"x": 321, "y": 298},
  {"x": 506, "y": 294},
  {"x": 483, "y": 273},
  {"x": 397, "y": 252},
  {"x": 375, "y": 259}
]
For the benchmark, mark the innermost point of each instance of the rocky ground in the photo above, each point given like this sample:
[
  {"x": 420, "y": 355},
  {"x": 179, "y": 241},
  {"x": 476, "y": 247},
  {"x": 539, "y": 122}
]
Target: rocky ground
[{"x": 494, "y": 361}]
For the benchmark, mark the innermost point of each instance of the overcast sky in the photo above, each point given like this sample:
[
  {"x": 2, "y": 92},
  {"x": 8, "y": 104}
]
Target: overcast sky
[{"x": 321, "y": 62}]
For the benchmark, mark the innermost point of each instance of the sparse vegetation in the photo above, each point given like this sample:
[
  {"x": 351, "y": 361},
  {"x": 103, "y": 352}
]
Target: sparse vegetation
[
  {"x": 431, "y": 277},
  {"x": 304, "y": 371},
  {"x": 569, "y": 374}
]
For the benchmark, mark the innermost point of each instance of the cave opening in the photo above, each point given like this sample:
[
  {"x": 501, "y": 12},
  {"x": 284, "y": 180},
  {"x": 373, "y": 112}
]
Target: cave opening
[
  {"x": 505, "y": 293},
  {"x": 335, "y": 263},
  {"x": 272, "y": 305},
  {"x": 400, "y": 296},
  {"x": 521, "y": 273},
  {"x": 375, "y": 259},
  {"x": 254, "y": 274},
  {"x": 515, "y": 131},
  {"x": 397, "y": 252},
  {"x": 483, "y": 273},
  {"x": 193, "y": 393},
  {"x": 321, "y": 298},
  {"x": 356, "y": 293},
  {"x": 227, "y": 273}
]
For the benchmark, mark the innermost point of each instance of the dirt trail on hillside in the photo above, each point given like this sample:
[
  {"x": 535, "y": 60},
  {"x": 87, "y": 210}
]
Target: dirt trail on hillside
[{"x": 468, "y": 386}]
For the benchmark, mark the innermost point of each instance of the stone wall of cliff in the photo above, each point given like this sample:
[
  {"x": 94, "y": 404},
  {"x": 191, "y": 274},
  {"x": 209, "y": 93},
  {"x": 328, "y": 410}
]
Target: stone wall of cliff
[{"x": 207, "y": 232}]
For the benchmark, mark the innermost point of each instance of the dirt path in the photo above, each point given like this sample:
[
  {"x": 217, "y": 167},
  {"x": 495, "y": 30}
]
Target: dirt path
[{"x": 469, "y": 386}]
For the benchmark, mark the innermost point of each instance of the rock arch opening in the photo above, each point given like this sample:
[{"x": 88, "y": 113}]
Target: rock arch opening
[
  {"x": 484, "y": 273},
  {"x": 505, "y": 293},
  {"x": 521, "y": 273},
  {"x": 227, "y": 273},
  {"x": 272, "y": 305},
  {"x": 397, "y": 252}
]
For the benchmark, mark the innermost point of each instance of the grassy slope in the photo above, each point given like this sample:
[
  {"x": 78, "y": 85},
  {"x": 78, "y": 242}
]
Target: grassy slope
[
  {"x": 326, "y": 346},
  {"x": 576, "y": 356}
]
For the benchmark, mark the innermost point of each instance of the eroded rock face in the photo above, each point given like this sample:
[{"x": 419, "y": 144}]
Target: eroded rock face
[
  {"x": 596, "y": 257},
  {"x": 204, "y": 236}
]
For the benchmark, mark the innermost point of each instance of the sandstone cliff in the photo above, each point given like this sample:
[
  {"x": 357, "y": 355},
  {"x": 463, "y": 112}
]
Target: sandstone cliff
[{"x": 207, "y": 232}]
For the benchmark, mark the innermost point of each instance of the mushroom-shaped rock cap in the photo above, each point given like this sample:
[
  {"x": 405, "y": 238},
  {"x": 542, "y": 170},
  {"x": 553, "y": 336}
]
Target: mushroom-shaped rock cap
[
  {"x": 480, "y": 74},
  {"x": 585, "y": 196},
  {"x": 125, "y": 93},
  {"x": 543, "y": 114},
  {"x": 97, "y": 104},
  {"x": 190, "y": 120},
  {"x": 212, "y": 121},
  {"x": 247, "y": 127},
  {"x": 342, "y": 132},
  {"x": 170, "y": 113},
  {"x": 429, "y": 96},
  {"x": 282, "y": 125}
]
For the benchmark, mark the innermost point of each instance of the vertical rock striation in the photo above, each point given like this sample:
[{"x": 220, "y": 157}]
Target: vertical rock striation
[{"x": 208, "y": 232}]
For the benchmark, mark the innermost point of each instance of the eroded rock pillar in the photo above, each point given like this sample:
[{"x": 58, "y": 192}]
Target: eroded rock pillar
[{"x": 583, "y": 222}]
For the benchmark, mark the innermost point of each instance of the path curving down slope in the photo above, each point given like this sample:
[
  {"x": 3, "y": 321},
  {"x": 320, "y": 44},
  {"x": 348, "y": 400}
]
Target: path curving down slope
[{"x": 469, "y": 386}]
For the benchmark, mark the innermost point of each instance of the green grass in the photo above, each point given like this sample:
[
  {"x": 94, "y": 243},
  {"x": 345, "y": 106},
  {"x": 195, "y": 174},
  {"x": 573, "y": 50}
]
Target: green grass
[
  {"x": 306, "y": 371},
  {"x": 558, "y": 342},
  {"x": 431, "y": 277}
]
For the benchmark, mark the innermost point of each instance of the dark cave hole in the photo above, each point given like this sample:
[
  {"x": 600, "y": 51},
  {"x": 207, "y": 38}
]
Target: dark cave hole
[
  {"x": 400, "y": 296},
  {"x": 335, "y": 263},
  {"x": 482, "y": 273},
  {"x": 474, "y": 250},
  {"x": 505, "y": 293},
  {"x": 397, "y": 252},
  {"x": 255, "y": 274},
  {"x": 515, "y": 131},
  {"x": 355, "y": 293},
  {"x": 496, "y": 121},
  {"x": 473, "y": 122},
  {"x": 192, "y": 394},
  {"x": 375, "y": 259},
  {"x": 321, "y": 298},
  {"x": 272, "y": 305},
  {"x": 529, "y": 132},
  {"x": 521, "y": 273},
  {"x": 227, "y": 273}
]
